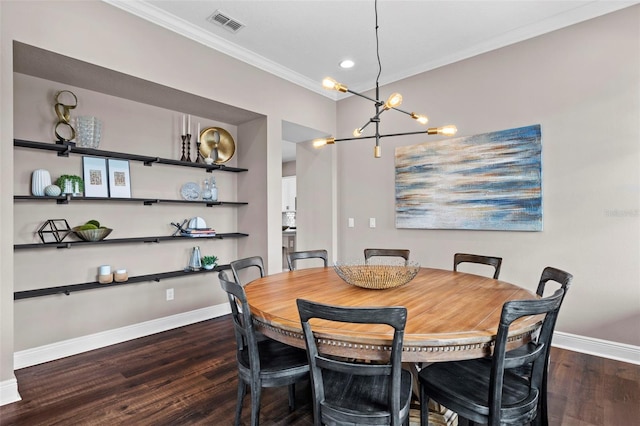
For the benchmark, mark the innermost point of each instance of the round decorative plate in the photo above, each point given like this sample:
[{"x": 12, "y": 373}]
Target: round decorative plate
[
  {"x": 190, "y": 191},
  {"x": 217, "y": 139}
]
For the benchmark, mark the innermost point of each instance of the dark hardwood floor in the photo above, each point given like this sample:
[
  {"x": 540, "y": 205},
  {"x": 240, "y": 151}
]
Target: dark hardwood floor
[{"x": 187, "y": 376}]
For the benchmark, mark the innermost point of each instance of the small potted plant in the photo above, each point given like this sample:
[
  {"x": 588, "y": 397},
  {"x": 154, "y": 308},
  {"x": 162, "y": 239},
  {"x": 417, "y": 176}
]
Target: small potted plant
[
  {"x": 209, "y": 262},
  {"x": 70, "y": 184}
]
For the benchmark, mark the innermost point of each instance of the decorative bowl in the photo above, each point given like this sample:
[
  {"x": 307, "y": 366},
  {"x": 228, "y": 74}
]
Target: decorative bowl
[
  {"x": 377, "y": 276},
  {"x": 92, "y": 234}
]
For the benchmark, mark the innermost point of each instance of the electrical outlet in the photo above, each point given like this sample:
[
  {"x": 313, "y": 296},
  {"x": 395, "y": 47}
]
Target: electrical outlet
[{"x": 169, "y": 294}]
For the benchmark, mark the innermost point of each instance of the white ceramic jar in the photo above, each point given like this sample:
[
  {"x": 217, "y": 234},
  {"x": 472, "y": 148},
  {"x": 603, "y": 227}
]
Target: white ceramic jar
[{"x": 40, "y": 179}]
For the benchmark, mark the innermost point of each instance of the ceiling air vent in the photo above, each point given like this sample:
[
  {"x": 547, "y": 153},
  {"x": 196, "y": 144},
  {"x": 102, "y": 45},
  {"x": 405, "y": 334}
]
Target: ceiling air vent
[{"x": 225, "y": 21}]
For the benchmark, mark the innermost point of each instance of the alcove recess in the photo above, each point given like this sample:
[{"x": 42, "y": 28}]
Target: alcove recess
[{"x": 47, "y": 65}]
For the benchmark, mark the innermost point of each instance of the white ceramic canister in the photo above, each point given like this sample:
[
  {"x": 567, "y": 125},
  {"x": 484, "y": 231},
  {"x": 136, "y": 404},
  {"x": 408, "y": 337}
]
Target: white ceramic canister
[{"x": 40, "y": 179}]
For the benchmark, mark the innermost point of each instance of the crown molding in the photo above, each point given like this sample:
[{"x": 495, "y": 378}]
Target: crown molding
[{"x": 170, "y": 22}]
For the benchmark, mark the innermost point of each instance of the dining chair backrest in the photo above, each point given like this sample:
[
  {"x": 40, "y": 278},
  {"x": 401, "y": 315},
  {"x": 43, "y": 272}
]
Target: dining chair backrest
[
  {"x": 552, "y": 274},
  {"x": 308, "y": 254},
  {"x": 241, "y": 316},
  {"x": 496, "y": 262},
  {"x": 246, "y": 264},
  {"x": 337, "y": 393},
  {"x": 374, "y": 252},
  {"x": 261, "y": 363}
]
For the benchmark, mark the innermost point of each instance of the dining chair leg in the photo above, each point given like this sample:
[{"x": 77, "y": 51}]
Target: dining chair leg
[
  {"x": 242, "y": 391},
  {"x": 292, "y": 397},
  {"x": 424, "y": 408},
  {"x": 255, "y": 404}
]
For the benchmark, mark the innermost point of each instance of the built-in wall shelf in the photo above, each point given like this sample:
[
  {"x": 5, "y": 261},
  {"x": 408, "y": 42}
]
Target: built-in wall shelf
[
  {"x": 66, "y": 148},
  {"x": 68, "y": 198},
  {"x": 70, "y": 244},
  {"x": 67, "y": 289}
]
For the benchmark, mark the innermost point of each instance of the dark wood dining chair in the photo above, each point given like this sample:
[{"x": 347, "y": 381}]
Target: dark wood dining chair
[
  {"x": 487, "y": 390},
  {"x": 308, "y": 254},
  {"x": 496, "y": 262},
  {"x": 246, "y": 263},
  {"x": 372, "y": 252},
  {"x": 261, "y": 364},
  {"x": 347, "y": 391}
]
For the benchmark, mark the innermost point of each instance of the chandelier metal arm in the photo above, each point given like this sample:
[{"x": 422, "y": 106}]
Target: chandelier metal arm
[
  {"x": 420, "y": 132},
  {"x": 375, "y": 101}
]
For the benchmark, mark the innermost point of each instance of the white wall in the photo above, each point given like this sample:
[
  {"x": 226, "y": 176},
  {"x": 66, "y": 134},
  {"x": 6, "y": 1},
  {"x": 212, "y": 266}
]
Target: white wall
[{"x": 582, "y": 85}]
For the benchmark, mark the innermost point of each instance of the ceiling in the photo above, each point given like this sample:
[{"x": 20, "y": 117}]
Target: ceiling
[{"x": 304, "y": 41}]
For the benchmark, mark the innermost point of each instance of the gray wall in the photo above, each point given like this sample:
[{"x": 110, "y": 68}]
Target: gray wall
[{"x": 582, "y": 85}]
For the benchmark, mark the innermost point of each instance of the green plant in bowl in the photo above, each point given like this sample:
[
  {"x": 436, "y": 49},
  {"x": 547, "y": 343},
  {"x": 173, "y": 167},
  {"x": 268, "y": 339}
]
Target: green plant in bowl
[
  {"x": 209, "y": 262},
  {"x": 92, "y": 231}
]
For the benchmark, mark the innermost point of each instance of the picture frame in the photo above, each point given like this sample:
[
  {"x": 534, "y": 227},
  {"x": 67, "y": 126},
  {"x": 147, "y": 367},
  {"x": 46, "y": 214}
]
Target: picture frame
[
  {"x": 119, "y": 178},
  {"x": 489, "y": 182},
  {"x": 94, "y": 171}
]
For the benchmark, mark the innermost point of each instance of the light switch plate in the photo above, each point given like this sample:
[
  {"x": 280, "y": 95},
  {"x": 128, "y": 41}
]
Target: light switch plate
[
  {"x": 372, "y": 222},
  {"x": 351, "y": 222}
]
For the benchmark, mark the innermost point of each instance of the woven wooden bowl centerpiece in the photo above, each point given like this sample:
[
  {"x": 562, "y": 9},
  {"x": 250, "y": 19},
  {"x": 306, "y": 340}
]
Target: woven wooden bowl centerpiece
[{"x": 377, "y": 276}]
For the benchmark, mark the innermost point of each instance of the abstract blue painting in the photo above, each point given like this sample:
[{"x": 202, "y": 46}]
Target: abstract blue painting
[{"x": 491, "y": 181}]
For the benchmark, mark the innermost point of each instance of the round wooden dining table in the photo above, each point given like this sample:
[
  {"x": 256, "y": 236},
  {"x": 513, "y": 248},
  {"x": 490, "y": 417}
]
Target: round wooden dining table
[{"x": 450, "y": 315}]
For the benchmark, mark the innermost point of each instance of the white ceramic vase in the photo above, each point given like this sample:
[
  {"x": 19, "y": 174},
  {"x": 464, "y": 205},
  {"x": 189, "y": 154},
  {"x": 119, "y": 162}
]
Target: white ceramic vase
[{"x": 40, "y": 179}]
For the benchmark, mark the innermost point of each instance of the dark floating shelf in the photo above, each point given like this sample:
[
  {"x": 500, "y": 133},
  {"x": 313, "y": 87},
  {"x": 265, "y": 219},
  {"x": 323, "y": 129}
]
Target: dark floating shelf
[
  {"x": 64, "y": 149},
  {"x": 66, "y": 199},
  {"x": 70, "y": 244},
  {"x": 68, "y": 289}
]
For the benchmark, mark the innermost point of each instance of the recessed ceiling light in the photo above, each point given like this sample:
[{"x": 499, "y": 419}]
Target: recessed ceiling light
[{"x": 347, "y": 63}]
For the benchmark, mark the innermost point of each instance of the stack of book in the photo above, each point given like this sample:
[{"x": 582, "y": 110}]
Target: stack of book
[{"x": 198, "y": 232}]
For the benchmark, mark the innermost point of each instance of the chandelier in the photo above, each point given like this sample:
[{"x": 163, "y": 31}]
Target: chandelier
[{"x": 392, "y": 102}]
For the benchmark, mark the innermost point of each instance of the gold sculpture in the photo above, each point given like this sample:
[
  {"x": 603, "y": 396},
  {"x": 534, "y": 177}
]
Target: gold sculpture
[{"x": 62, "y": 111}]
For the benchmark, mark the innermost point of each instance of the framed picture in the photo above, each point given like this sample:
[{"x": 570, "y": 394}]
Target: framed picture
[
  {"x": 491, "y": 181},
  {"x": 95, "y": 177},
  {"x": 119, "y": 179}
]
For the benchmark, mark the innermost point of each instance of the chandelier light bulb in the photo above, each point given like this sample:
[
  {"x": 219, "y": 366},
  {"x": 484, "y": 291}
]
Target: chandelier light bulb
[
  {"x": 319, "y": 143},
  {"x": 357, "y": 132},
  {"x": 395, "y": 100},
  {"x": 422, "y": 119},
  {"x": 449, "y": 130},
  {"x": 330, "y": 84}
]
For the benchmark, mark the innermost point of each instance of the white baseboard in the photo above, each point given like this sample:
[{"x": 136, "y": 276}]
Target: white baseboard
[
  {"x": 78, "y": 345},
  {"x": 602, "y": 348},
  {"x": 9, "y": 391}
]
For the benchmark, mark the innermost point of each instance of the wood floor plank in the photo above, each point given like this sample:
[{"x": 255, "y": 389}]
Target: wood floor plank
[{"x": 187, "y": 376}]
